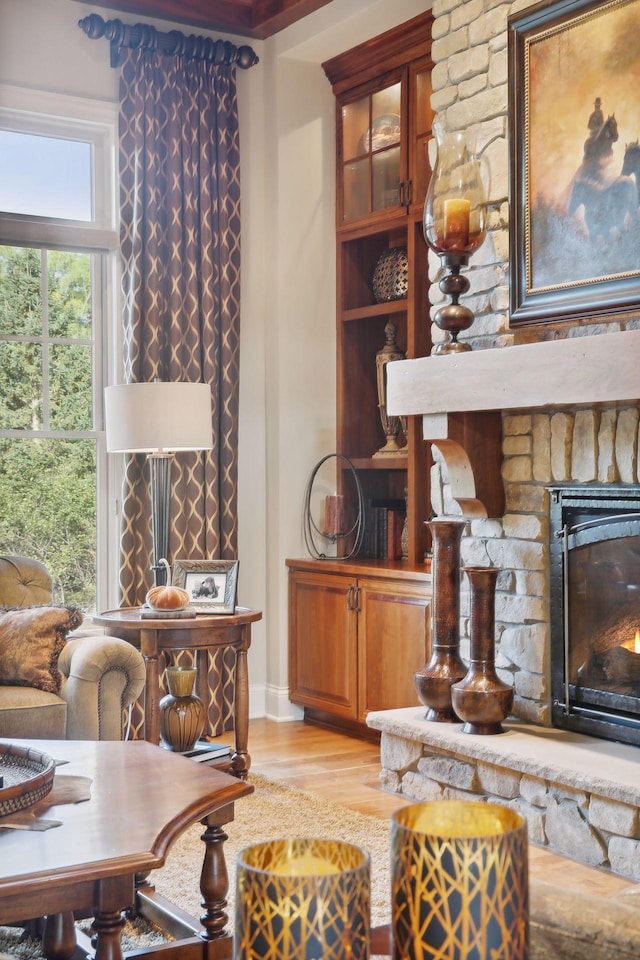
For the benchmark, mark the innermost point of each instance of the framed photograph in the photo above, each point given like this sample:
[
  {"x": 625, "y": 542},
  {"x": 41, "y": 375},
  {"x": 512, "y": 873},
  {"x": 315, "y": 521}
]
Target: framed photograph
[
  {"x": 574, "y": 165},
  {"x": 211, "y": 584}
]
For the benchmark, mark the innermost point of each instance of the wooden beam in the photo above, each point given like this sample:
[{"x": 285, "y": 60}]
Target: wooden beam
[
  {"x": 583, "y": 370},
  {"x": 251, "y": 18}
]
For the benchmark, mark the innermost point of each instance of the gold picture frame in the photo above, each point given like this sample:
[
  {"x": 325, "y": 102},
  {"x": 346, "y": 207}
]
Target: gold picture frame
[{"x": 574, "y": 231}]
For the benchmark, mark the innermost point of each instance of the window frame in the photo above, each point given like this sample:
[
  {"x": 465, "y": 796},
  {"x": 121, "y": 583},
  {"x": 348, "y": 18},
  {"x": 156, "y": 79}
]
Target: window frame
[{"x": 96, "y": 122}]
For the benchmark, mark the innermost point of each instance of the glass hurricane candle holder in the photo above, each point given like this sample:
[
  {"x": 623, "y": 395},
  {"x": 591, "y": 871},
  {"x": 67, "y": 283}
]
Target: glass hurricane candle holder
[
  {"x": 301, "y": 898},
  {"x": 460, "y": 882},
  {"x": 455, "y": 226}
]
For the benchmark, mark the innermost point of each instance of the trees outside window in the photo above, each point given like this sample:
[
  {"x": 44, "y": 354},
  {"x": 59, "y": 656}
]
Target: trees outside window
[{"x": 53, "y": 334}]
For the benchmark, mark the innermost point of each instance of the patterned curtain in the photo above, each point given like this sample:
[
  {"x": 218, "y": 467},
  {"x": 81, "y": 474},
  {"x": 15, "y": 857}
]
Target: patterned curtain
[{"x": 180, "y": 246}]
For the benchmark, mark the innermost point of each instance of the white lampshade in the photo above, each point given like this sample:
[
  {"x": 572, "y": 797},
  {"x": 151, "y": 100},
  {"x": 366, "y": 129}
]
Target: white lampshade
[{"x": 157, "y": 416}]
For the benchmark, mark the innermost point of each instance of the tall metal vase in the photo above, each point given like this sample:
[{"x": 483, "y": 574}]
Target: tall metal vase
[
  {"x": 433, "y": 683},
  {"x": 482, "y": 700}
]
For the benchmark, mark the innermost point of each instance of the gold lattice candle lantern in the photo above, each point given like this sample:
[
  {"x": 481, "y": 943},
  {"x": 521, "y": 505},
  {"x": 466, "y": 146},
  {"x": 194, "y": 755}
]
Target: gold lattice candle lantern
[
  {"x": 460, "y": 882},
  {"x": 301, "y": 899}
]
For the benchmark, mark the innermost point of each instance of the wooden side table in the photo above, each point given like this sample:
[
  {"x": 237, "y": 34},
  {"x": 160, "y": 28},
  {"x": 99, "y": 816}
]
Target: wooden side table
[{"x": 199, "y": 633}]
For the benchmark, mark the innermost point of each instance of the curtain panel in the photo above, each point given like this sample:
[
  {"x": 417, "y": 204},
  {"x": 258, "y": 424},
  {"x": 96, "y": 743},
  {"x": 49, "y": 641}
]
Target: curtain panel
[{"x": 180, "y": 249}]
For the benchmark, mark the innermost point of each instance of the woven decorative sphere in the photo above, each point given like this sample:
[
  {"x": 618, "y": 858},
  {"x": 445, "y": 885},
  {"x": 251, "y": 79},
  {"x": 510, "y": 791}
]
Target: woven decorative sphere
[{"x": 391, "y": 275}]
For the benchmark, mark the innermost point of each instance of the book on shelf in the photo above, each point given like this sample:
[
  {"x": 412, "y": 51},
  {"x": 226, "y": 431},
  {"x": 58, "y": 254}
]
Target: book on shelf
[
  {"x": 203, "y": 750},
  {"x": 383, "y": 523}
]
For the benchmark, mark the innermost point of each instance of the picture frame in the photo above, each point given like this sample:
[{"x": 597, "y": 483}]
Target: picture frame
[
  {"x": 211, "y": 584},
  {"x": 574, "y": 232}
]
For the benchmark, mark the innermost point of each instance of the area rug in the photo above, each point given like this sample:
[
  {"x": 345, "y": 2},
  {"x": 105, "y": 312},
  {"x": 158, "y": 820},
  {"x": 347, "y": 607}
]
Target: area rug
[{"x": 273, "y": 811}]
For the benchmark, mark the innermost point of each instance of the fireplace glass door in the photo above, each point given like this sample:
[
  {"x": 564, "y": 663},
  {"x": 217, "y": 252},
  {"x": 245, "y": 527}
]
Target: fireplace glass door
[{"x": 596, "y": 611}]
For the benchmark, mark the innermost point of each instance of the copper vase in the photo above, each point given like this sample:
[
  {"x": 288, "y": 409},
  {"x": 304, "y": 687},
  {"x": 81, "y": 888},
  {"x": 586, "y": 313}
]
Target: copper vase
[
  {"x": 181, "y": 711},
  {"x": 482, "y": 700},
  {"x": 433, "y": 683}
]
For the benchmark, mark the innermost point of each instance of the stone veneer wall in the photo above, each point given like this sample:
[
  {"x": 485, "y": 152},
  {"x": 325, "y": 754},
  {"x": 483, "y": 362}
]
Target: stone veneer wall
[
  {"x": 580, "y": 804},
  {"x": 470, "y": 90}
]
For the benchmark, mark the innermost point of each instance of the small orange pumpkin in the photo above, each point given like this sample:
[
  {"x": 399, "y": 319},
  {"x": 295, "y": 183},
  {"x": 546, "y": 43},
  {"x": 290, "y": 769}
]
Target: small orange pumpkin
[{"x": 167, "y": 598}]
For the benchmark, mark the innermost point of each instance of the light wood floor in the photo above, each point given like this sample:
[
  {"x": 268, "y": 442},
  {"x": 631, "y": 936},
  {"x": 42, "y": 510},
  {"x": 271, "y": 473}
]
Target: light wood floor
[{"x": 346, "y": 771}]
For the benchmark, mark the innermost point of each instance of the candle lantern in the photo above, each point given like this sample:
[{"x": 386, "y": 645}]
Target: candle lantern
[
  {"x": 302, "y": 898},
  {"x": 459, "y": 882},
  {"x": 455, "y": 225}
]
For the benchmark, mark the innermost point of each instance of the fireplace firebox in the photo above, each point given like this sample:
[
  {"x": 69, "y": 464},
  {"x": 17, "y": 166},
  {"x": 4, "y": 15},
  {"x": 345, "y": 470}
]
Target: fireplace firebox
[{"x": 595, "y": 610}]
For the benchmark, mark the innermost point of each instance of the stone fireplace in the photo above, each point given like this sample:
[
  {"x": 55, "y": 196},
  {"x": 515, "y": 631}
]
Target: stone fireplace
[
  {"x": 595, "y": 610},
  {"x": 567, "y": 396}
]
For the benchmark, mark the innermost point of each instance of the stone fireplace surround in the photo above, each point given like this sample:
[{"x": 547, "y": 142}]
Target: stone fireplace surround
[
  {"x": 568, "y": 394},
  {"x": 580, "y": 423}
]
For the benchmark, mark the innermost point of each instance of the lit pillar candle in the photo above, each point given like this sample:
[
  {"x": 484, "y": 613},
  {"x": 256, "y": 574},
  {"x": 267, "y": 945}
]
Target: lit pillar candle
[{"x": 456, "y": 223}]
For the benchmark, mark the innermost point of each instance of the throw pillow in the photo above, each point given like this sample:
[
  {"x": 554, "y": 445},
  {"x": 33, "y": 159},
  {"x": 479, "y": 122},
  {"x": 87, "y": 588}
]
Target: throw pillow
[{"x": 31, "y": 640}]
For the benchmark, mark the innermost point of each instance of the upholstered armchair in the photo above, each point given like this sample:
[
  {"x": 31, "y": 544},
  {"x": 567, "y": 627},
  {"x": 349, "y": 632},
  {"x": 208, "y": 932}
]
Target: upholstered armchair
[{"x": 58, "y": 680}]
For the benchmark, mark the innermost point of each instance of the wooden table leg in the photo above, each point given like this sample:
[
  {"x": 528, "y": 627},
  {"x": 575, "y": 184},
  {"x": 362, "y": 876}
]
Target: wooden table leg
[
  {"x": 108, "y": 926},
  {"x": 214, "y": 878},
  {"x": 241, "y": 761},
  {"x": 59, "y": 936},
  {"x": 149, "y": 650},
  {"x": 202, "y": 683}
]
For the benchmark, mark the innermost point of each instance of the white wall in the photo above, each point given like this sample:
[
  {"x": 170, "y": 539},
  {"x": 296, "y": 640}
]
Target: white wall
[{"x": 287, "y": 373}]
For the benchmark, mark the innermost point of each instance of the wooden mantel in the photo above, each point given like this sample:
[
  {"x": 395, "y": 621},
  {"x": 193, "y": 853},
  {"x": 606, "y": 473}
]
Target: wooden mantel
[{"x": 461, "y": 397}]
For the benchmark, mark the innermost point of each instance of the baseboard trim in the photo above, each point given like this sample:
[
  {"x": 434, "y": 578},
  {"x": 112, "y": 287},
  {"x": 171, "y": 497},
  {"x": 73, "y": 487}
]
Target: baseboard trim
[{"x": 266, "y": 700}]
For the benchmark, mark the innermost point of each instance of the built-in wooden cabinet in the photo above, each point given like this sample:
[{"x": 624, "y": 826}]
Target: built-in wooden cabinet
[
  {"x": 357, "y": 637},
  {"x": 357, "y": 628},
  {"x": 383, "y": 125}
]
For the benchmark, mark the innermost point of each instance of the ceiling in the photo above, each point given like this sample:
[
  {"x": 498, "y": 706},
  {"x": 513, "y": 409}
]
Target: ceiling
[{"x": 249, "y": 18}]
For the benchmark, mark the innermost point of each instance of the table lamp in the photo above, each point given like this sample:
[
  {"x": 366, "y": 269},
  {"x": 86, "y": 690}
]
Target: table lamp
[{"x": 158, "y": 419}]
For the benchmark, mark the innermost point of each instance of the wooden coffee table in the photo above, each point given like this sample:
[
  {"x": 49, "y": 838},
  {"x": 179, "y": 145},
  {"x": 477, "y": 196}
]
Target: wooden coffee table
[
  {"x": 142, "y": 798},
  {"x": 200, "y": 633}
]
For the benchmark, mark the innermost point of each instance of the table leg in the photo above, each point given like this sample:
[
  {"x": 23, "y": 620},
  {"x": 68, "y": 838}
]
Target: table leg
[
  {"x": 149, "y": 650},
  {"x": 202, "y": 683},
  {"x": 108, "y": 925},
  {"x": 241, "y": 761},
  {"x": 214, "y": 878},
  {"x": 59, "y": 936}
]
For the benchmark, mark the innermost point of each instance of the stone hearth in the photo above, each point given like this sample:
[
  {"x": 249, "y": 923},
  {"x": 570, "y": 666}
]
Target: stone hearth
[{"x": 579, "y": 795}]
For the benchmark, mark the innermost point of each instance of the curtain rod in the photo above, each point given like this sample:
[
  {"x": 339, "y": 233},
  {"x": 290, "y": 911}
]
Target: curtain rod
[{"x": 136, "y": 35}]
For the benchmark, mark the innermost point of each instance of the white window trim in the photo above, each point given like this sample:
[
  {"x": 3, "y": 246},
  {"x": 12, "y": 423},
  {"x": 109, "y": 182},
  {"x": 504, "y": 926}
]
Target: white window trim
[{"x": 39, "y": 111}]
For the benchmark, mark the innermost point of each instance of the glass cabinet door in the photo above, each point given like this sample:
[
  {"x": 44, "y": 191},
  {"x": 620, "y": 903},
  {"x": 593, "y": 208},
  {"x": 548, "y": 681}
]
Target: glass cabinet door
[
  {"x": 372, "y": 152},
  {"x": 421, "y": 119}
]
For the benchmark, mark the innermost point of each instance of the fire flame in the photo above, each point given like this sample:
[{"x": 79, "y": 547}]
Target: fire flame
[{"x": 633, "y": 645}]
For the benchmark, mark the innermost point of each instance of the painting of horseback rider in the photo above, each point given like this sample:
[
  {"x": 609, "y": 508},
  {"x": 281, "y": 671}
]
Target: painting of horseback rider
[
  {"x": 584, "y": 214},
  {"x": 608, "y": 198},
  {"x": 575, "y": 162}
]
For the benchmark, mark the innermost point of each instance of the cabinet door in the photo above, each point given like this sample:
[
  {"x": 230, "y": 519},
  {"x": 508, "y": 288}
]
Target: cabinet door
[
  {"x": 420, "y": 121},
  {"x": 372, "y": 155},
  {"x": 394, "y": 637},
  {"x": 323, "y": 643}
]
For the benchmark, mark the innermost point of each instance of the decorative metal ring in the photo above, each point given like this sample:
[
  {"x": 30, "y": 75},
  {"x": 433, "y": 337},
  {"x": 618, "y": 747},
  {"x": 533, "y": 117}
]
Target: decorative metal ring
[{"x": 310, "y": 527}]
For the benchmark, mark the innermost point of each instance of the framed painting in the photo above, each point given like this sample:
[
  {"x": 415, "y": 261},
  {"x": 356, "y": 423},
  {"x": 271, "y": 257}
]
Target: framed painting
[
  {"x": 211, "y": 584},
  {"x": 574, "y": 165}
]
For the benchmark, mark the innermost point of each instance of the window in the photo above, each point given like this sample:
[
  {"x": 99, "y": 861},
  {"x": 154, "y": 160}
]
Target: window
[{"x": 56, "y": 284}]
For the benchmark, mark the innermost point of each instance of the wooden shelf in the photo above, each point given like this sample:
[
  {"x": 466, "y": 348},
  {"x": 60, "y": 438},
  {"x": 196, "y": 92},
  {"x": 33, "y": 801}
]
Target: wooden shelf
[
  {"x": 387, "y": 309},
  {"x": 380, "y": 463}
]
